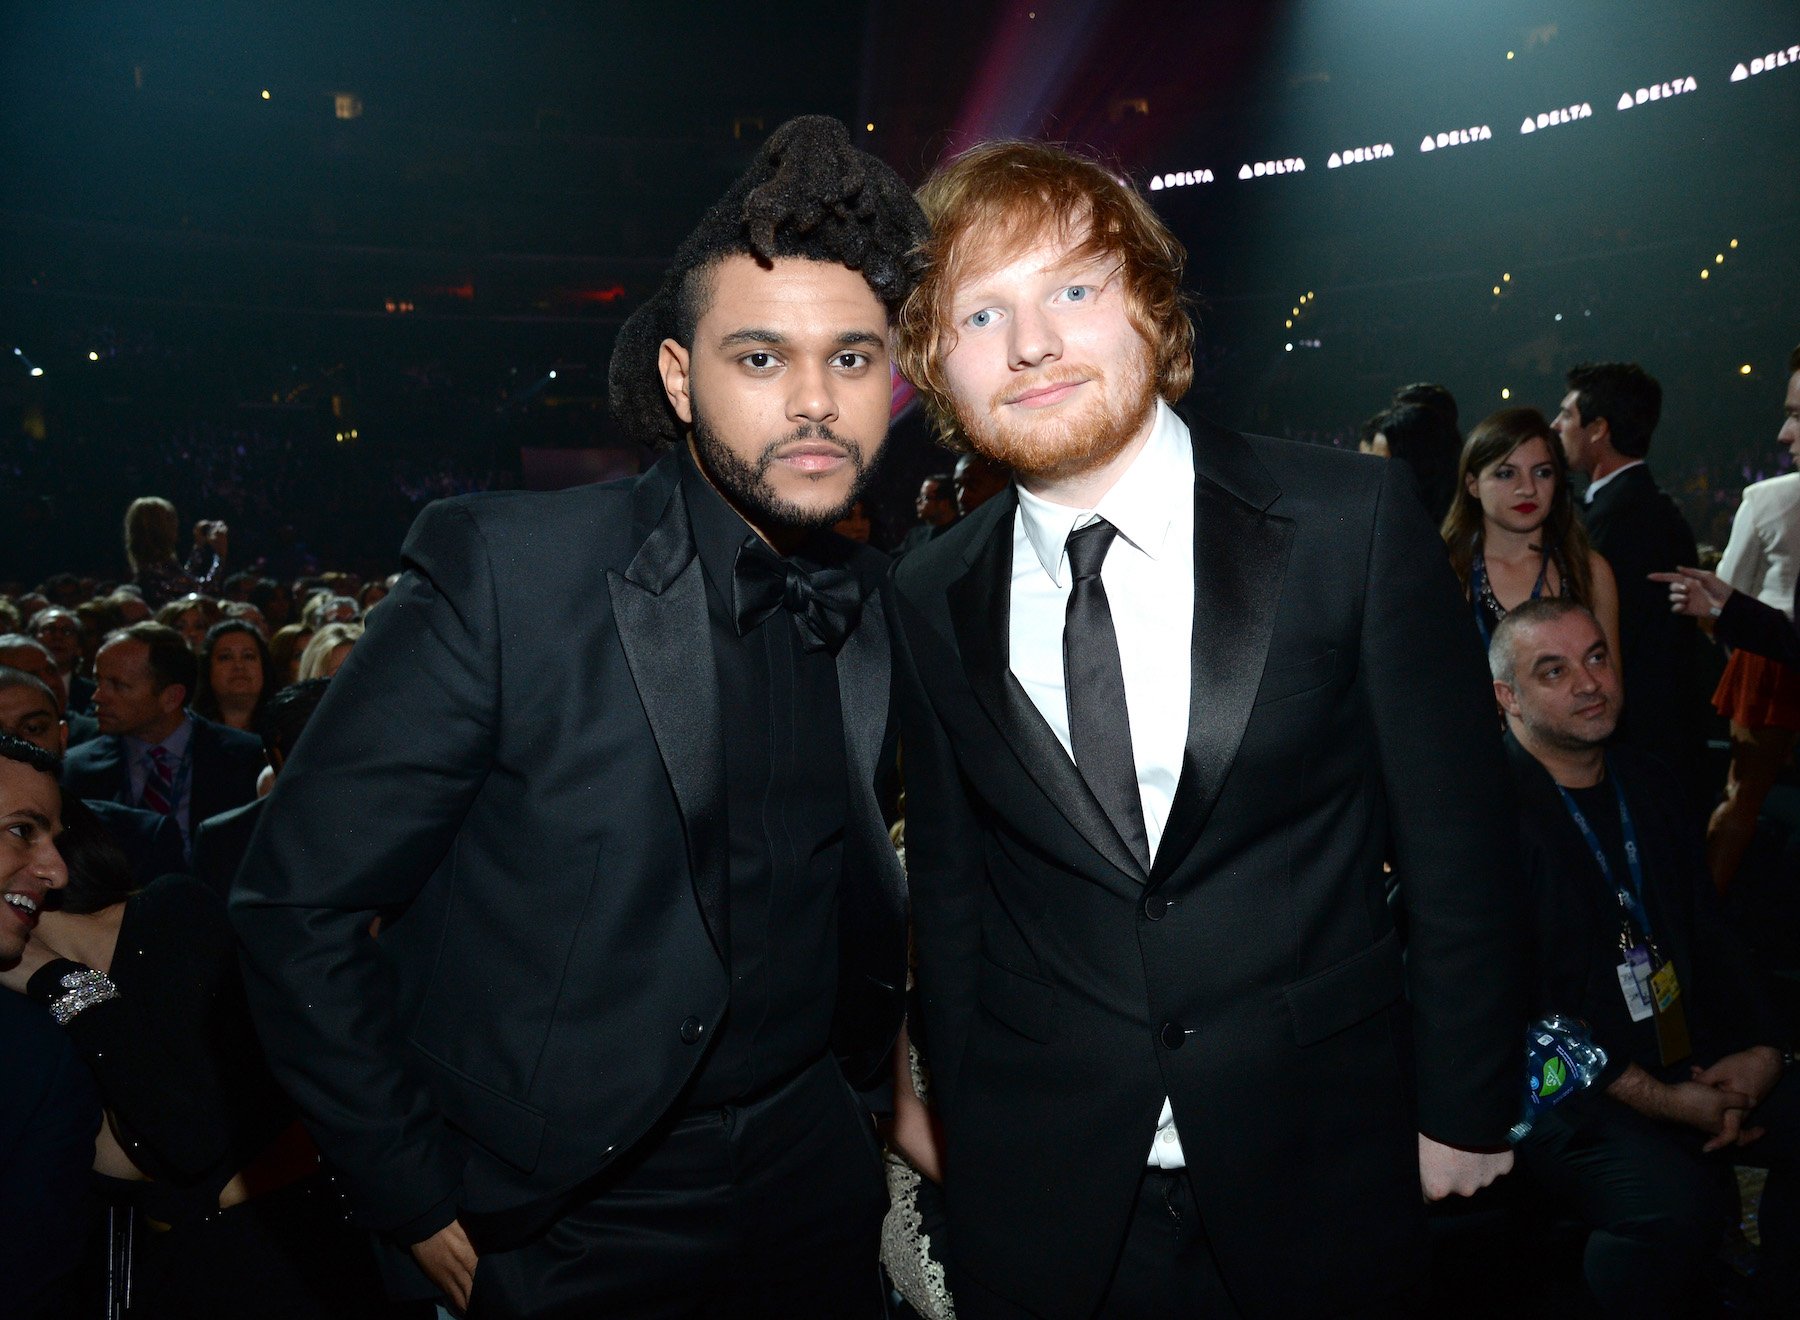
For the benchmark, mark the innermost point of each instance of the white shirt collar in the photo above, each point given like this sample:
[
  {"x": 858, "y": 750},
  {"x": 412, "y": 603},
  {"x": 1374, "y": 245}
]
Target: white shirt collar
[
  {"x": 1141, "y": 504},
  {"x": 1594, "y": 486}
]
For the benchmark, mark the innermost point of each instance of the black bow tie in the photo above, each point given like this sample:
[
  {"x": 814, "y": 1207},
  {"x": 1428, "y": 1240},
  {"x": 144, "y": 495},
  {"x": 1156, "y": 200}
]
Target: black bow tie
[{"x": 825, "y": 602}]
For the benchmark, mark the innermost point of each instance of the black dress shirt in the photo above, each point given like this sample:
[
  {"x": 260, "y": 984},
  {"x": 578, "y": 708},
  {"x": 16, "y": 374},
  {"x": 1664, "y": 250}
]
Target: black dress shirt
[{"x": 786, "y": 795}]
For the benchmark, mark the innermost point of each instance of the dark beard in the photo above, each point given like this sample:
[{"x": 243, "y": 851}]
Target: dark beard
[{"x": 747, "y": 486}]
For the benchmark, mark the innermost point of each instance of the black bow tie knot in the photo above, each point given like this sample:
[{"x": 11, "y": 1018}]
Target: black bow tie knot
[{"x": 825, "y": 602}]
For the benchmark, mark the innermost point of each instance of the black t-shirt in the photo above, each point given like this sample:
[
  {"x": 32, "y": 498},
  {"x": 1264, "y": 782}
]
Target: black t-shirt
[{"x": 787, "y": 796}]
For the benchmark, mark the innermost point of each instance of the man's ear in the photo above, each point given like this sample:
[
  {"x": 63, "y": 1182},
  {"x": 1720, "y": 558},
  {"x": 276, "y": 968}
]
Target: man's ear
[
  {"x": 1508, "y": 699},
  {"x": 172, "y": 698},
  {"x": 672, "y": 361},
  {"x": 62, "y": 735}
]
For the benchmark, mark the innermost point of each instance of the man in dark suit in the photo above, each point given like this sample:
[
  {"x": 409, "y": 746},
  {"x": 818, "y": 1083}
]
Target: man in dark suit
[
  {"x": 151, "y": 842},
  {"x": 58, "y": 630},
  {"x": 1694, "y": 1079},
  {"x": 1166, "y": 707},
  {"x": 610, "y": 755},
  {"x": 1606, "y": 421},
  {"x": 154, "y": 753},
  {"x": 220, "y": 843},
  {"x": 49, "y": 1106}
]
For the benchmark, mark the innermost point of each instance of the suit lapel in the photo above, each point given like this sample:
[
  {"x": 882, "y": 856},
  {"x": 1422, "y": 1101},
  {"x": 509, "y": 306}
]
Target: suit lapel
[
  {"x": 872, "y": 910},
  {"x": 1240, "y": 560},
  {"x": 980, "y": 605},
  {"x": 659, "y": 603}
]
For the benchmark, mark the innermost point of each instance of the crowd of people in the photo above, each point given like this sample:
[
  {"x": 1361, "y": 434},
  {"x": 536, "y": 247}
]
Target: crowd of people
[{"x": 1188, "y": 742}]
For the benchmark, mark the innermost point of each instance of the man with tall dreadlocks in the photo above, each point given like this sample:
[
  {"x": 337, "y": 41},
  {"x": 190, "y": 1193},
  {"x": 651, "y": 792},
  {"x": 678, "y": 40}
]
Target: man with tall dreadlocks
[{"x": 611, "y": 754}]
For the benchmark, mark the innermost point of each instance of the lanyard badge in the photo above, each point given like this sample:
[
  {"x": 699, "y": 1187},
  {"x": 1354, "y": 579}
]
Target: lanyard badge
[{"x": 1646, "y": 978}]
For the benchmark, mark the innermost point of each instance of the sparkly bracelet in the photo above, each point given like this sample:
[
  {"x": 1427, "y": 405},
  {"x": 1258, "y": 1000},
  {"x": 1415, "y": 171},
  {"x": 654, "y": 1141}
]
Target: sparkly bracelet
[{"x": 82, "y": 989}]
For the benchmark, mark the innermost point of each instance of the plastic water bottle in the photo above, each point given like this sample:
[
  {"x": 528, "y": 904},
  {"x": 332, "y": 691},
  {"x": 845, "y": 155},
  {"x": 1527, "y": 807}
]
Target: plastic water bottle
[{"x": 1560, "y": 1059}]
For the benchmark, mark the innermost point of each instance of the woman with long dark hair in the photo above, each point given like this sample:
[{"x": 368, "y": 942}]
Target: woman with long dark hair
[
  {"x": 1512, "y": 530},
  {"x": 236, "y": 675}
]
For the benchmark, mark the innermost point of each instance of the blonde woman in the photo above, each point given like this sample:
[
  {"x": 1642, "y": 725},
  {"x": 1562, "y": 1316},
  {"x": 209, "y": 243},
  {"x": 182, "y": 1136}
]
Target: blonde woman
[{"x": 329, "y": 648}]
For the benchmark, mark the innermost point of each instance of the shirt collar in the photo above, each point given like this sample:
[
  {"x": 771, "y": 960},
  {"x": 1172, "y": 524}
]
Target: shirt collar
[
  {"x": 175, "y": 744},
  {"x": 1142, "y": 504},
  {"x": 1595, "y": 485}
]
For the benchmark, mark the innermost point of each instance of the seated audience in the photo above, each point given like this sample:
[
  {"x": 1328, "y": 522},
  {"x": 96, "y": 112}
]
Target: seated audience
[
  {"x": 191, "y": 616},
  {"x": 18, "y": 651},
  {"x": 151, "y": 842},
  {"x": 200, "y": 1138},
  {"x": 1630, "y": 940},
  {"x": 152, "y": 534},
  {"x": 234, "y": 675},
  {"x": 152, "y": 752},
  {"x": 1512, "y": 530},
  {"x": 220, "y": 842},
  {"x": 58, "y": 631},
  {"x": 285, "y": 649},
  {"x": 329, "y": 648},
  {"x": 49, "y": 1107},
  {"x": 325, "y": 607},
  {"x": 977, "y": 480},
  {"x": 936, "y": 508}
]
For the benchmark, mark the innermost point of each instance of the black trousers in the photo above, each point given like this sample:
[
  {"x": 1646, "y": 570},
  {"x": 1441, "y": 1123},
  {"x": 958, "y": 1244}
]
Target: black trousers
[
  {"x": 1657, "y": 1207},
  {"x": 772, "y": 1209}
]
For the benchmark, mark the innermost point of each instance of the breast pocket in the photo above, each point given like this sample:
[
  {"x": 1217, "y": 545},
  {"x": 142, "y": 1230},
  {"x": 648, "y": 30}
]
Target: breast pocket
[{"x": 1292, "y": 680}]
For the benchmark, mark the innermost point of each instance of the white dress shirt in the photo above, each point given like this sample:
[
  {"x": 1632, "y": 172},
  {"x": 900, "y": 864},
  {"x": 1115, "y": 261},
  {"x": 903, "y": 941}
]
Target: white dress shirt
[
  {"x": 1594, "y": 486},
  {"x": 1149, "y": 580},
  {"x": 1762, "y": 559}
]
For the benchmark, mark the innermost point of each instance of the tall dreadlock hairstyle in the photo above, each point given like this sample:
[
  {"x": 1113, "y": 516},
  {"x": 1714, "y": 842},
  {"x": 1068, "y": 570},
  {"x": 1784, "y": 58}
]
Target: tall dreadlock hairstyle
[{"x": 809, "y": 194}]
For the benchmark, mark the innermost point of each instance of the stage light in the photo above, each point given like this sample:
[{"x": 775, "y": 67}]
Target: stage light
[
  {"x": 1559, "y": 316},
  {"x": 1718, "y": 258},
  {"x": 1288, "y": 324},
  {"x": 1705, "y": 273},
  {"x": 265, "y": 93},
  {"x": 1744, "y": 370},
  {"x": 1506, "y": 277},
  {"x": 1551, "y": 118},
  {"x": 18, "y": 352},
  {"x": 93, "y": 356},
  {"x": 1456, "y": 138},
  {"x": 552, "y": 374},
  {"x": 1290, "y": 348},
  {"x": 1657, "y": 92},
  {"x": 1294, "y": 312},
  {"x": 1506, "y": 394},
  {"x": 1496, "y": 290},
  {"x": 1509, "y": 54},
  {"x": 1779, "y": 59},
  {"x": 1310, "y": 295},
  {"x": 1733, "y": 243},
  {"x": 870, "y": 128},
  {"x": 37, "y": 371}
]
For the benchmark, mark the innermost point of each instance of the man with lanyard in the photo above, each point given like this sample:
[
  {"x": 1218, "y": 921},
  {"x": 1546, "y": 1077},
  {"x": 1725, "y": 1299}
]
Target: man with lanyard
[{"x": 1628, "y": 939}]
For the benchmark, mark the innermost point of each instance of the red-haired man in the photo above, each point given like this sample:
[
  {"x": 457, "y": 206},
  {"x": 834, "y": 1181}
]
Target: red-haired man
[{"x": 1167, "y": 708}]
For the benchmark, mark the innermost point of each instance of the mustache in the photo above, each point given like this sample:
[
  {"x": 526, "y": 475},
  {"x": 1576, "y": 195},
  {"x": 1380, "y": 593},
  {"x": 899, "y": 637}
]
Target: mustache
[
  {"x": 810, "y": 431},
  {"x": 1050, "y": 376}
]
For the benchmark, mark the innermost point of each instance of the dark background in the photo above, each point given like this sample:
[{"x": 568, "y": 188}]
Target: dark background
[{"x": 205, "y": 276}]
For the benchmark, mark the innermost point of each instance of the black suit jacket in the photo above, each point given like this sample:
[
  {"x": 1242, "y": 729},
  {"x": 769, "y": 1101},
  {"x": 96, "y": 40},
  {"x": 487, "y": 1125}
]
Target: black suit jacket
[
  {"x": 152, "y": 842},
  {"x": 220, "y": 844},
  {"x": 1640, "y": 531},
  {"x": 1748, "y": 622},
  {"x": 226, "y": 765},
  {"x": 1340, "y": 714},
  {"x": 523, "y": 759},
  {"x": 1724, "y": 1000}
]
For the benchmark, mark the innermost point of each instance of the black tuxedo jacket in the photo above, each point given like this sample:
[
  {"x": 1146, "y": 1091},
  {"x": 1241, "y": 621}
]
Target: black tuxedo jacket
[
  {"x": 1748, "y": 622},
  {"x": 522, "y": 764},
  {"x": 1641, "y": 531},
  {"x": 226, "y": 765},
  {"x": 1340, "y": 714},
  {"x": 220, "y": 844},
  {"x": 1575, "y": 910}
]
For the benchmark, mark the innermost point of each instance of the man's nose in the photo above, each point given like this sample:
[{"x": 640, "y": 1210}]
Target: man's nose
[
  {"x": 810, "y": 396},
  {"x": 1034, "y": 340}
]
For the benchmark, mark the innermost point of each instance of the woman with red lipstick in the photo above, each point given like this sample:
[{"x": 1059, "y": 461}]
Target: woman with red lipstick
[{"x": 1512, "y": 531}]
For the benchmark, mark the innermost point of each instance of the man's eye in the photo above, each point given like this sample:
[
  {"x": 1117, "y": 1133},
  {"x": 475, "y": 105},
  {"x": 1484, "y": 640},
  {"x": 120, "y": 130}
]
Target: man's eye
[
  {"x": 1553, "y": 673},
  {"x": 759, "y": 361},
  {"x": 851, "y": 361},
  {"x": 1078, "y": 292},
  {"x": 983, "y": 319}
]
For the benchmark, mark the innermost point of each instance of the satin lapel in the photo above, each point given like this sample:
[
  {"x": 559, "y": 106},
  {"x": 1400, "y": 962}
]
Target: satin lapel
[
  {"x": 980, "y": 609},
  {"x": 873, "y": 905},
  {"x": 1240, "y": 560},
  {"x": 659, "y": 603}
]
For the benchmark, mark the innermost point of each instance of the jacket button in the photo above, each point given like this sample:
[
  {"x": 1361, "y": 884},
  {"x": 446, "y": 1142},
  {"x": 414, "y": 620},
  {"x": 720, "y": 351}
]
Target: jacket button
[
  {"x": 1172, "y": 1036},
  {"x": 1155, "y": 906},
  {"x": 691, "y": 1029}
]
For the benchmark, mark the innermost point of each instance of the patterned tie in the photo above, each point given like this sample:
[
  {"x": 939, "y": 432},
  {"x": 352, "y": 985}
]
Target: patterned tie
[
  {"x": 159, "y": 784},
  {"x": 1094, "y": 681}
]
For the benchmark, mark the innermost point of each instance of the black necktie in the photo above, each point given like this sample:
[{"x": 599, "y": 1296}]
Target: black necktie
[
  {"x": 825, "y": 602},
  {"x": 1099, "y": 725}
]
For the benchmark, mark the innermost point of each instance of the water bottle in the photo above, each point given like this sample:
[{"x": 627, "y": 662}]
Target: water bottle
[{"x": 1560, "y": 1059}]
